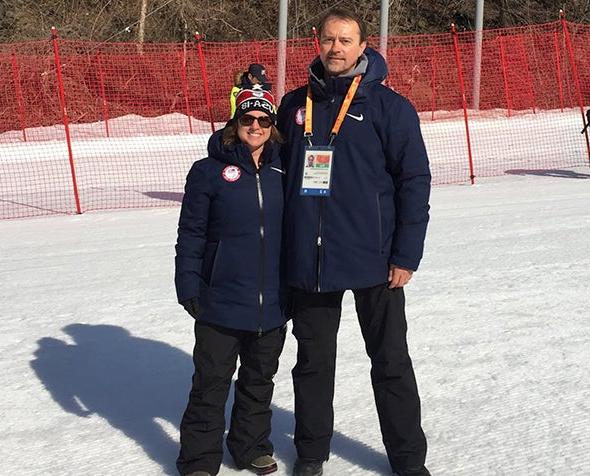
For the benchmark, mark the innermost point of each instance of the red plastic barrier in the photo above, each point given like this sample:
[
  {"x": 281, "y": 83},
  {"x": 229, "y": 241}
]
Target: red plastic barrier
[{"x": 137, "y": 116}]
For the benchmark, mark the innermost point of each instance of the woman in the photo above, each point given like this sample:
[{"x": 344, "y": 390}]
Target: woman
[{"x": 228, "y": 279}]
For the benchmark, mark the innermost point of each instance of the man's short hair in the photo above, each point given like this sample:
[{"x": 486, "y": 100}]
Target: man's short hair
[{"x": 344, "y": 14}]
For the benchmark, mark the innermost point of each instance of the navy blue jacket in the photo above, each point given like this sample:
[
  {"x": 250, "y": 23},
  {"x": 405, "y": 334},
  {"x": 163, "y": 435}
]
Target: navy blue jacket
[
  {"x": 377, "y": 211},
  {"x": 229, "y": 238}
]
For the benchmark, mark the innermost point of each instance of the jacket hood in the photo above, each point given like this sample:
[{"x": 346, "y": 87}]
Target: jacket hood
[
  {"x": 238, "y": 154},
  {"x": 371, "y": 65}
]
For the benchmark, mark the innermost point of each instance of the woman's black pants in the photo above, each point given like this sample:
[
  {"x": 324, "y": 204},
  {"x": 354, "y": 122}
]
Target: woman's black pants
[{"x": 203, "y": 423}]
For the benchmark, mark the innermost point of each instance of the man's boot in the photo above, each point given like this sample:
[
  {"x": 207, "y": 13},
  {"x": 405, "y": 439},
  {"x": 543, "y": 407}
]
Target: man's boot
[{"x": 308, "y": 467}]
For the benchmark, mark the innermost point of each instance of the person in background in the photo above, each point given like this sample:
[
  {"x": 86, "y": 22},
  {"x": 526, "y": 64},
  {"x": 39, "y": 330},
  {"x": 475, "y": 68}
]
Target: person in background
[
  {"x": 228, "y": 279},
  {"x": 253, "y": 76},
  {"x": 357, "y": 222},
  {"x": 256, "y": 74},
  {"x": 234, "y": 92}
]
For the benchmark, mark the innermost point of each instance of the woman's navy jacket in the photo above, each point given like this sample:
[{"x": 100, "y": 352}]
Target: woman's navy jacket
[
  {"x": 377, "y": 211},
  {"x": 229, "y": 238}
]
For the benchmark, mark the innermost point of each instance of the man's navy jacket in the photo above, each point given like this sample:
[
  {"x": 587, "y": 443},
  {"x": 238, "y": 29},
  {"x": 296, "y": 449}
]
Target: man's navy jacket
[
  {"x": 229, "y": 238},
  {"x": 377, "y": 211}
]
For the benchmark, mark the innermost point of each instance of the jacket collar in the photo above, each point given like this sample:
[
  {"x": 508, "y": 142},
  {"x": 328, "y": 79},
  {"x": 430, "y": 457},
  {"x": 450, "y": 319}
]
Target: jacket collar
[{"x": 238, "y": 154}]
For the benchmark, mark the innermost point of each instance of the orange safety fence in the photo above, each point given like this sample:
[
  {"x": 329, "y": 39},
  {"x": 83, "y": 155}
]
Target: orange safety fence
[{"x": 89, "y": 126}]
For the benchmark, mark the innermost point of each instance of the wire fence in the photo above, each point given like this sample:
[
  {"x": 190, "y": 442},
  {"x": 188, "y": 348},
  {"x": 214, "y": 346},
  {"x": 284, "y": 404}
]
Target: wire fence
[{"x": 89, "y": 126}]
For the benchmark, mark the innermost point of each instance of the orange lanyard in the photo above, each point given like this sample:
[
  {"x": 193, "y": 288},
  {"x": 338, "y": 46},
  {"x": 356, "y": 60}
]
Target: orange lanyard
[{"x": 341, "y": 115}]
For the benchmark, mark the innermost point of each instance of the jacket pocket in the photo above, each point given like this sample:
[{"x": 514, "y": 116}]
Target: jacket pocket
[
  {"x": 386, "y": 221},
  {"x": 210, "y": 261}
]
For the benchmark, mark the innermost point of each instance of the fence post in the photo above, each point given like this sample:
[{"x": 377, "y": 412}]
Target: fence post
[
  {"x": 463, "y": 99},
  {"x": 433, "y": 81},
  {"x": 19, "y": 95},
  {"x": 183, "y": 76},
  {"x": 205, "y": 79},
  {"x": 103, "y": 95},
  {"x": 529, "y": 76},
  {"x": 558, "y": 68},
  {"x": 316, "y": 42},
  {"x": 504, "y": 65},
  {"x": 64, "y": 112},
  {"x": 570, "y": 50}
]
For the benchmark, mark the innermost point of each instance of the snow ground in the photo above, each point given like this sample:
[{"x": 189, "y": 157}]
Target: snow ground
[{"x": 96, "y": 353}]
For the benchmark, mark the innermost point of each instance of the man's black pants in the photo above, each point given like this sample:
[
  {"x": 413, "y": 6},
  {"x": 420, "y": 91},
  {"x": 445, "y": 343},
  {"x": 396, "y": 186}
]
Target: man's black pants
[
  {"x": 203, "y": 424},
  {"x": 381, "y": 314}
]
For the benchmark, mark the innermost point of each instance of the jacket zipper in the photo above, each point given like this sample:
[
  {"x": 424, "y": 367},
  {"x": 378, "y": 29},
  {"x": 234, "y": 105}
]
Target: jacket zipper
[
  {"x": 380, "y": 224},
  {"x": 319, "y": 237},
  {"x": 319, "y": 245},
  {"x": 261, "y": 269}
]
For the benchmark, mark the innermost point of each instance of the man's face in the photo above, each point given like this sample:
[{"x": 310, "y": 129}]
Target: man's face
[{"x": 340, "y": 46}]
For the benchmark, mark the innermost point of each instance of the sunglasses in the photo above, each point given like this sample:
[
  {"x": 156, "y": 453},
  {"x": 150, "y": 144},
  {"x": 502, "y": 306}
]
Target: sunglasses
[{"x": 247, "y": 120}]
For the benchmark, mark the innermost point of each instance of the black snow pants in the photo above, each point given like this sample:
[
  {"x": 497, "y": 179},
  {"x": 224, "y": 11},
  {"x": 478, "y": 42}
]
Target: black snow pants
[
  {"x": 203, "y": 423},
  {"x": 381, "y": 314}
]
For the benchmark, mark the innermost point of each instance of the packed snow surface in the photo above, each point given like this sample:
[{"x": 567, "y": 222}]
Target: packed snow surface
[{"x": 96, "y": 353}]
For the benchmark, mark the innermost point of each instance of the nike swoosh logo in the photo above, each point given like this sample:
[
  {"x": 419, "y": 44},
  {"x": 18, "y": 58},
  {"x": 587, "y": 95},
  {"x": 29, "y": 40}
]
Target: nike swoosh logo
[
  {"x": 278, "y": 170},
  {"x": 356, "y": 118}
]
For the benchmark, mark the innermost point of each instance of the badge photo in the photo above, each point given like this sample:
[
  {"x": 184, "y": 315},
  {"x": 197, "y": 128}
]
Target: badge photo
[
  {"x": 317, "y": 171},
  {"x": 231, "y": 173}
]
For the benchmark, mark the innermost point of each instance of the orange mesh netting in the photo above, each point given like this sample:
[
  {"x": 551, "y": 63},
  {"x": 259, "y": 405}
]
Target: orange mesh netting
[{"x": 138, "y": 116}]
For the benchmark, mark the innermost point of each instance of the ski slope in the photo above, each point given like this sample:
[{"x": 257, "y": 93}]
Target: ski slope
[{"x": 96, "y": 363}]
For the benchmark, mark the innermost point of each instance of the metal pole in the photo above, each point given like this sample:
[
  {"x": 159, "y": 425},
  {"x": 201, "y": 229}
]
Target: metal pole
[
  {"x": 574, "y": 68},
  {"x": 477, "y": 53},
  {"x": 282, "y": 50},
  {"x": 384, "y": 28}
]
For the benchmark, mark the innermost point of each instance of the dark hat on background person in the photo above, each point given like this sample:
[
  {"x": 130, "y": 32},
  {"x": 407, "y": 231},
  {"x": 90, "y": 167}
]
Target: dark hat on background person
[
  {"x": 255, "y": 99},
  {"x": 258, "y": 71}
]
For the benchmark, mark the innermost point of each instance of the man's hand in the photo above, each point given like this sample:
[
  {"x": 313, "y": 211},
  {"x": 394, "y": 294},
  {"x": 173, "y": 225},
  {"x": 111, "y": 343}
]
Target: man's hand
[{"x": 399, "y": 277}]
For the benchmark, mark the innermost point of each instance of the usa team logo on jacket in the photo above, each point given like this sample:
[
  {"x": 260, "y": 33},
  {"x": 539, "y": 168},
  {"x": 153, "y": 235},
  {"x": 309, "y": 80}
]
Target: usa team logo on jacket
[
  {"x": 300, "y": 116},
  {"x": 231, "y": 173}
]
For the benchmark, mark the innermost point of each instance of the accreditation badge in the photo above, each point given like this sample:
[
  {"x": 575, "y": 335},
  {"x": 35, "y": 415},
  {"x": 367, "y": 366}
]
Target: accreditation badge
[{"x": 317, "y": 170}]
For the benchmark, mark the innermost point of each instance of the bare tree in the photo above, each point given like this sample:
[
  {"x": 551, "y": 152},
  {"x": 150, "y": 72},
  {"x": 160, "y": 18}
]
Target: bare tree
[{"x": 222, "y": 20}]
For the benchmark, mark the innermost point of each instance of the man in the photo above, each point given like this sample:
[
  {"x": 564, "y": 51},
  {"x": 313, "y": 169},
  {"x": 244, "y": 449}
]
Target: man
[{"x": 357, "y": 223}]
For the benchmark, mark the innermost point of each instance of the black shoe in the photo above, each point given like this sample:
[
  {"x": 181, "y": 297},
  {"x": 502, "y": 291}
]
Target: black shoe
[
  {"x": 263, "y": 465},
  {"x": 413, "y": 472},
  {"x": 308, "y": 467}
]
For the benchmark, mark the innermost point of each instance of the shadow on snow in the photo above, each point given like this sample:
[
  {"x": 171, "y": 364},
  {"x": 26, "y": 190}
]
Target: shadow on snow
[
  {"x": 550, "y": 173},
  {"x": 130, "y": 381}
]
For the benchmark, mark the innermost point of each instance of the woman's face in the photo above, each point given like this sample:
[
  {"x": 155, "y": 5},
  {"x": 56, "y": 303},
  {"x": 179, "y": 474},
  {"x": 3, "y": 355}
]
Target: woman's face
[{"x": 253, "y": 135}]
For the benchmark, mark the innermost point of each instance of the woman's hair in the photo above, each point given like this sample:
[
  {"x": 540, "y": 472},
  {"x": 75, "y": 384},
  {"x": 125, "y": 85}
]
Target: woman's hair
[
  {"x": 238, "y": 77},
  {"x": 230, "y": 134}
]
